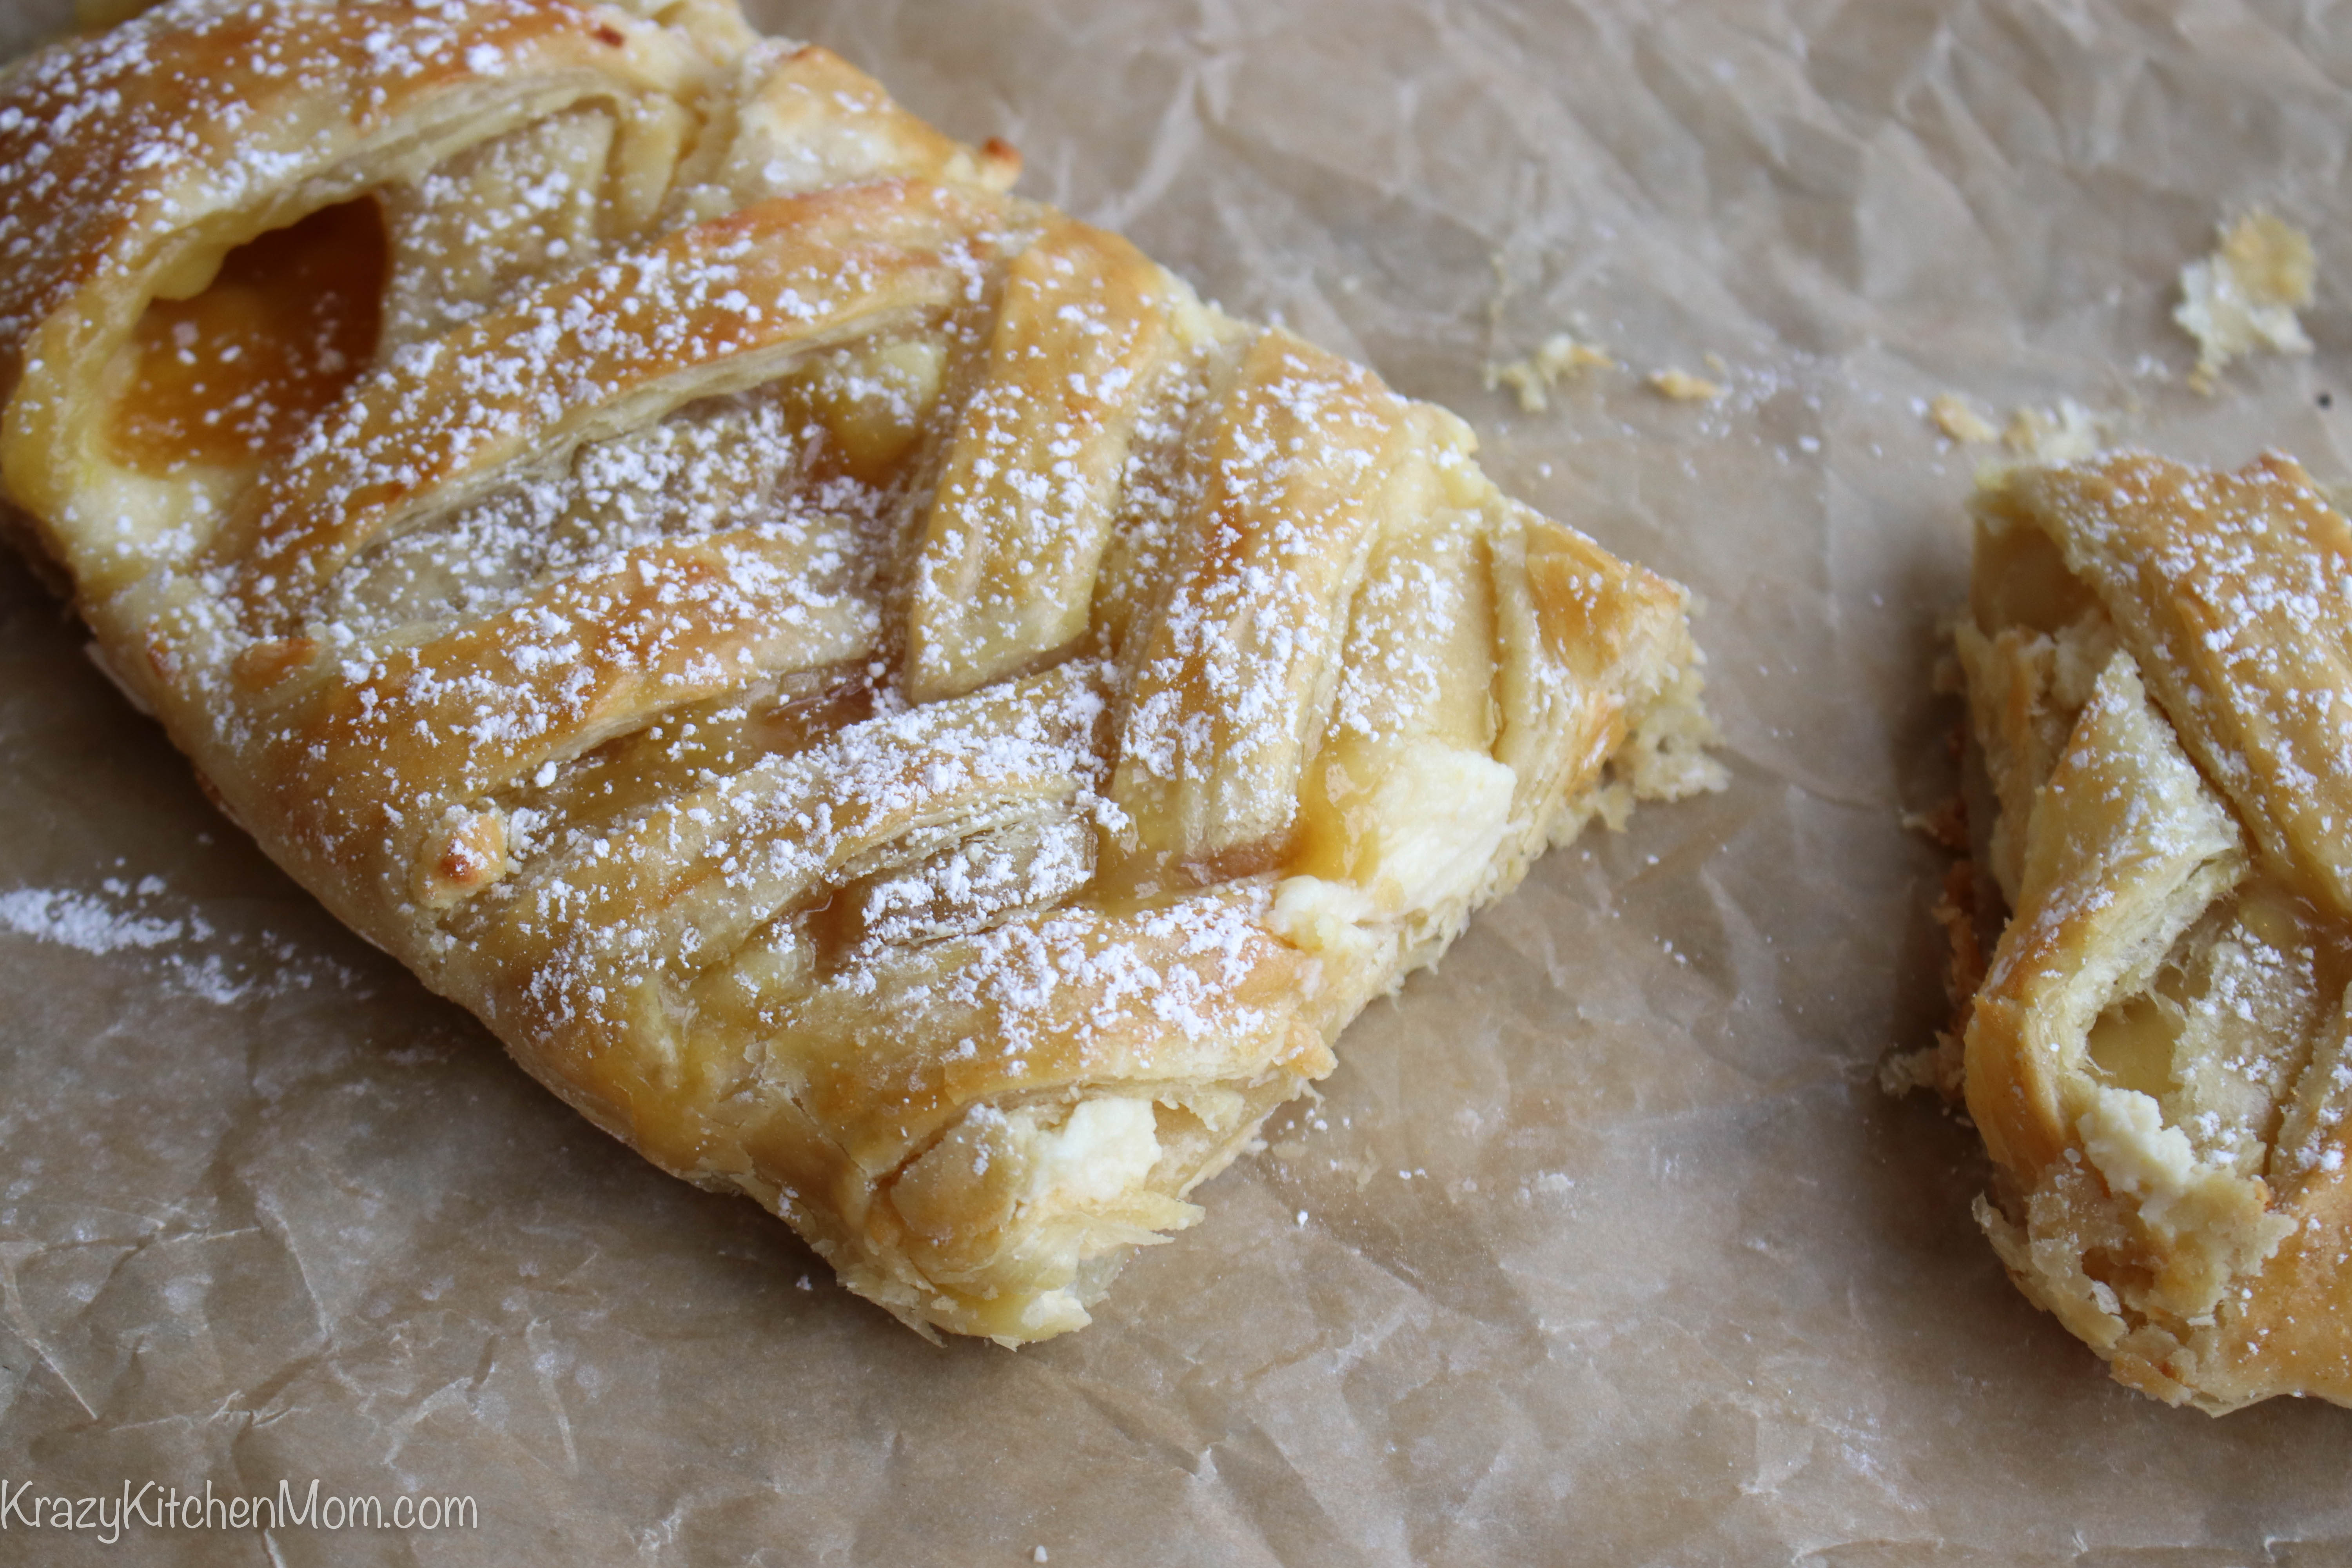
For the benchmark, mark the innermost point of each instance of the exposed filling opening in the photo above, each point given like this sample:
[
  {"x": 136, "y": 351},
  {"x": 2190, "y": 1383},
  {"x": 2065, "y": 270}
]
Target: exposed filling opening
[
  {"x": 2131, "y": 1044},
  {"x": 2227, "y": 1025},
  {"x": 229, "y": 377},
  {"x": 2019, "y": 579}
]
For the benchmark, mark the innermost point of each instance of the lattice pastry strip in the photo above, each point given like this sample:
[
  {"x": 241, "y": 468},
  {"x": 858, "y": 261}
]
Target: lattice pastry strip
[
  {"x": 874, "y": 690},
  {"x": 1029, "y": 493}
]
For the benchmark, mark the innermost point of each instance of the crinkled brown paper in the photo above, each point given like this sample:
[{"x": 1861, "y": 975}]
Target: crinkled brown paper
[{"x": 1602, "y": 1245}]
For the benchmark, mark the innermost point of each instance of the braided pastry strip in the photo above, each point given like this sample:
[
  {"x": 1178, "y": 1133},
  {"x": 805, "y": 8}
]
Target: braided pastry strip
[{"x": 879, "y": 695}]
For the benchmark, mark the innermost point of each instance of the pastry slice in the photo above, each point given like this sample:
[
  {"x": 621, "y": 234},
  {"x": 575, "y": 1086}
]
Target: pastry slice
[
  {"x": 875, "y": 692},
  {"x": 2159, "y": 669}
]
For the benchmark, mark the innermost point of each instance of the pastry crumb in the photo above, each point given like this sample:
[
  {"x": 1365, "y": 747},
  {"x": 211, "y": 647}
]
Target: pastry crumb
[
  {"x": 1946, "y": 826},
  {"x": 1685, "y": 387},
  {"x": 1942, "y": 1068},
  {"x": 2066, "y": 433},
  {"x": 2242, "y": 299},
  {"x": 1957, "y": 417},
  {"x": 1939, "y": 1068},
  {"x": 1561, "y": 357}
]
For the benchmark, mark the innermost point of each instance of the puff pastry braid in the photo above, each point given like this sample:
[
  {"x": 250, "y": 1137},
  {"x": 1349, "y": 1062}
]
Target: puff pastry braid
[
  {"x": 2159, "y": 671},
  {"x": 879, "y": 695}
]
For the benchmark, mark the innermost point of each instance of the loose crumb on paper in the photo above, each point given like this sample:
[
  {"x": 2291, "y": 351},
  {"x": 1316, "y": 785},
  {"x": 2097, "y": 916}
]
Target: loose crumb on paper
[
  {"x": 1957, "y": 417},
  {"x": 2066, "y": 433},
  {"x": 1939, "y": 1069},
  {"x": 1561, "y": 357},
  {"x": 2242, "y": 299},
  {"x": 1942, "y": 1068},
  {"x": 1946, "y": 826},
  {"x": 1683, "y": 387}
]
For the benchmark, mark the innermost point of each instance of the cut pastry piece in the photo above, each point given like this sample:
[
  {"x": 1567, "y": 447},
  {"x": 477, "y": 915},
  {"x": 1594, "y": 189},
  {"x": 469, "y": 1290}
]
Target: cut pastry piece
[
  {"x": 2159, "y": 671},
  {"x": 874, "y": 691}
]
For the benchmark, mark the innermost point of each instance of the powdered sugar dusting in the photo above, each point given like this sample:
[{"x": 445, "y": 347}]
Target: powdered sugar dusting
[{"x": 184, "y": 950}]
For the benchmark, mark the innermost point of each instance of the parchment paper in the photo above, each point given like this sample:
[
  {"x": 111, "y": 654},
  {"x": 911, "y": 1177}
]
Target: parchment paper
[{"x": 1603, "y": 1245}]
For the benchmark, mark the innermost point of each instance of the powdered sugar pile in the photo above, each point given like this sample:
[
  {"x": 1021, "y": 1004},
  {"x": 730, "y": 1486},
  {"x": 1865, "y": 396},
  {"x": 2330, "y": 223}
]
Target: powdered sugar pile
[
  {"x": 87, "y": 924},
  {"x": 195, "y": 957}
]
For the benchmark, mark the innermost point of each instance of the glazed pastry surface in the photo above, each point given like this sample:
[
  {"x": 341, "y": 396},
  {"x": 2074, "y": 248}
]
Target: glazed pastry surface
[
  {"x": 875, "y": 692},
  {"x": 2159, "y": 670}
]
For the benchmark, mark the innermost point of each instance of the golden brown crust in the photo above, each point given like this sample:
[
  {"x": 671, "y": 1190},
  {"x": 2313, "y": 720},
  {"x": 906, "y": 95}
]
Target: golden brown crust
[
  {"x": 875, "y": 693},
  {"x": 2232, "y": 591},
  {"x": 2157, "y": 669}
]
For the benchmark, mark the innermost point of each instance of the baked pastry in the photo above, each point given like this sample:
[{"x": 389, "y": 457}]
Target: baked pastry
[
  {"x": 2159, "y": 669},
  {"x": 878, "y": 695}
]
